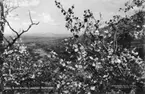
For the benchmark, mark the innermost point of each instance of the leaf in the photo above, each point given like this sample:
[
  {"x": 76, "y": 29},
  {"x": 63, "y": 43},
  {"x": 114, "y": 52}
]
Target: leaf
[
  {"x": 85, "y": 20},
  {"x": 76, "y": 36}
]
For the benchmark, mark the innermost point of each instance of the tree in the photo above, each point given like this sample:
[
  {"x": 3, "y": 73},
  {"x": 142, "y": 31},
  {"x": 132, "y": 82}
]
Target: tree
[
  {"x": 17, "y": 63},
  {"x": 3, "y": 17},
  {"x": 1, "y": 42},
  {"x": 102, "y": 57}
]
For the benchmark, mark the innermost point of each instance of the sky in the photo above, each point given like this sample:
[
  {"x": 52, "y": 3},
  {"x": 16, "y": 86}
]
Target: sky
[{"x": 51, "y": 19}]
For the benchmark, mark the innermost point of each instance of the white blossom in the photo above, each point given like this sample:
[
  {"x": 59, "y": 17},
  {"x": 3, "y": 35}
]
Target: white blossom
[{"x": 92, "y": 88}]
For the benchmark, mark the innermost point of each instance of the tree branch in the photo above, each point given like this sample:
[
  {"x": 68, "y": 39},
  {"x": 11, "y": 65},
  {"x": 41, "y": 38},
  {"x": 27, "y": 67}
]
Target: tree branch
[
  {"x": 11, "y": 27},
  {"x": 10, "y": 9},
  {"x": 18, "y": 35},
  {"x": 6, "y": 39}
]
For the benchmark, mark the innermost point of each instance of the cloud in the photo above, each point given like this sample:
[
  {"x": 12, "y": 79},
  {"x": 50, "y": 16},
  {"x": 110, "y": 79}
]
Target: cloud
[
  {"x": 24, "y": 3},
  {"x": 114, "y": 3},
  {"x": 26, "y": 24},
  {"x": 33, "y": 12},
  {"x": 16, "y": 18},
  {"x": 46, "y": 18},
  {"x": 106, "y": 0}
]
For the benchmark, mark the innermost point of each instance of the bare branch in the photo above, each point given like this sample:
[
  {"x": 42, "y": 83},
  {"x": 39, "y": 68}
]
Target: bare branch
[
  {"x": 32, "y": 23},
  {"x": 6, "y": 39},
  {"x": 13, "y": 8},
  {"x": 10, "y": 9},
  {"x": 30, "y": 17},
  {"x": 11, "y": 27},
  {"x": 18, "y": 35},
  {"x": 11, "y": 37}
]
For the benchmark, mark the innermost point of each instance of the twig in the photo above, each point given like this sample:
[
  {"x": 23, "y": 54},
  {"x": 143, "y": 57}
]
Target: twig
[{"x": 18, "y": 35}]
